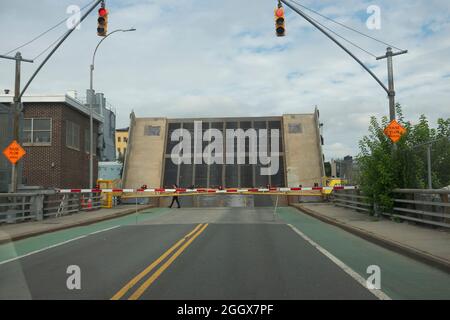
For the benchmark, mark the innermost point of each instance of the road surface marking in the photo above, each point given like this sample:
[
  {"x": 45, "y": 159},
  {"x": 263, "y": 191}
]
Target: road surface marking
[
  {"x": 161, "y": 269},
  {"x": 378, "y": 293},
  {"x": 103, "y": 230},
  {"x": 56, "y": 245},
  {"x": 137, "y": 278}
]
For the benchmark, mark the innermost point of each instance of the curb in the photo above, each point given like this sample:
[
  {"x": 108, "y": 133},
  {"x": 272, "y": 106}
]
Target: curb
[
  {"x": 410, "y": 252},
  {"x": 76, "y": 224}
]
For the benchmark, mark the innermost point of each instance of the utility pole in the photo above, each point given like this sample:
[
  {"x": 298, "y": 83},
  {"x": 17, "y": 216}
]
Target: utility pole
[
  {"x": 17, "y": 109},
  {"x": 390, "y": 68}
]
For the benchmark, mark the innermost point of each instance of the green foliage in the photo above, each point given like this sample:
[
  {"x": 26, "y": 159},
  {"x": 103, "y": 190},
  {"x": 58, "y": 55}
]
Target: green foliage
[{"x": 384, "y": 167}]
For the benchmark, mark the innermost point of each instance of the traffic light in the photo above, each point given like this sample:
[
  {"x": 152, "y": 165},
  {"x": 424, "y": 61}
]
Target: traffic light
[
  {"x": 280, "y": 22},
  {"x": 102, "y": 27}
]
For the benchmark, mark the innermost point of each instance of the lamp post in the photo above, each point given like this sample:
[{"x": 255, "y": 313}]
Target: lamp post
[{"x": 91, "y": 98}]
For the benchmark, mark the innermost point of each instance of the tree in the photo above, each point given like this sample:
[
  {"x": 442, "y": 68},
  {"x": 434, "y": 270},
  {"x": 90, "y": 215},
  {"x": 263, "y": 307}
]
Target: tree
[{"x": 384, "y": 168}]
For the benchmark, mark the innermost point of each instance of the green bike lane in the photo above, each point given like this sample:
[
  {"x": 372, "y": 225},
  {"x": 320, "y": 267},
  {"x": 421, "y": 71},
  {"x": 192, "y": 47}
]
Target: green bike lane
[
  {"x": 26, "y": 246},
  {"x": 401, "y": 276}
]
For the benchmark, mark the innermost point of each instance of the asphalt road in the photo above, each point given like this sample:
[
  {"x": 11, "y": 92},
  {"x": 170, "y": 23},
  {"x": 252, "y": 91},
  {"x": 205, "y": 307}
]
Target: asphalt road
[{"x": 211, "y": 253}]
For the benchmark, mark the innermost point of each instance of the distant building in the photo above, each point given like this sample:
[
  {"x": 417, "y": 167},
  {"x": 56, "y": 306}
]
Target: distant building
[
  {"x": 107, "y": 128},
  {"x": 344, "y": 168},
  {"x": 121, "y": 142},
  {"x": 55, "y": 135}
]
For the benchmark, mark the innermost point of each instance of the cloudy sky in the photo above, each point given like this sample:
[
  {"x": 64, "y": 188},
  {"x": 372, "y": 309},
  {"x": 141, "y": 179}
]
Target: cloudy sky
[{"x": 192, "y": 58}]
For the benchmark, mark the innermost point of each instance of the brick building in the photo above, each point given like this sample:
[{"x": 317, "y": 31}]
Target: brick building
[{"x": 55, "y": 135}]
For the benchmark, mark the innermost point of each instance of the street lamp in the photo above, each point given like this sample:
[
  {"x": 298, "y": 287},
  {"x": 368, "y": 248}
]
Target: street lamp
[{"x": 91, "y": 98}]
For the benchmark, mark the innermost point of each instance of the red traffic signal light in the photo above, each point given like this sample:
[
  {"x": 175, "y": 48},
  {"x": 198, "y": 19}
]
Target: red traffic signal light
[
  {"x": 102, "y": 26},
  {"x": 102, "y": 12},
  {"x": 279, "y": 12},
  {"x": 280, "y": 22}
]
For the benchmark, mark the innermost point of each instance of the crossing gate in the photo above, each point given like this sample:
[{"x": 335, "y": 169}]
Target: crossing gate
[
  {"x": 213, "y": 197},
  {"x": 166, "y": 192}
]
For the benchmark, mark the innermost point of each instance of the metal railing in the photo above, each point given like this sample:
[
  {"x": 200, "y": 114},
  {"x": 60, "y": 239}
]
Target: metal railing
[
  {"x": 59, "y": 205},
  {"x": 16, "y": 207},
  {"x": 352, "y": 199},
  {"x": 39, "y": 205},
  {"x": 426, "y": 206},
  {"x": 422, "y": 206}
]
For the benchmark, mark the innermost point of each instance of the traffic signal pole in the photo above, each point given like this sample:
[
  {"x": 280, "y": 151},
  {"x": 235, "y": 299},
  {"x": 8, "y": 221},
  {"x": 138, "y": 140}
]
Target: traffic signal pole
[
  {"x": 17, "y": 105},
  {"x": 58, "y": 45},
  {"x": 389, "y": 54}
]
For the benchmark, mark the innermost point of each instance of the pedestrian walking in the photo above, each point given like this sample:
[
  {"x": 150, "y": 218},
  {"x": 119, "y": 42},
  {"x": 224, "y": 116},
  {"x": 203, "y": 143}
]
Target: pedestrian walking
[{"x": 175, "y": 198}]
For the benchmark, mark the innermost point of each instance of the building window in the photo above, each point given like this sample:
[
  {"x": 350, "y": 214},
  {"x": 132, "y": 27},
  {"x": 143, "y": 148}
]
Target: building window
[
  {"x": 119, "y": 139},
  {"x": 152, "y": 130},
  {"x": 125, "y": 139},
  {"x": 87, "y": 144},
  {"x": 37, "y": 131},
  {"x": 295, "y": 128},
  {"x": 72, "y": 135}
]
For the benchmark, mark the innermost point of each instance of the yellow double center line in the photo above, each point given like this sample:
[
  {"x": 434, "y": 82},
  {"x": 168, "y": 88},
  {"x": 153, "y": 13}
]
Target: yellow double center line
[{"x": 184, "y": 243}]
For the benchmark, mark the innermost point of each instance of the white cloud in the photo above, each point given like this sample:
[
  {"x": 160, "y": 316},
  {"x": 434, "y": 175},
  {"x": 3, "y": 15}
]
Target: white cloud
[{"x": 221, "y": 58}]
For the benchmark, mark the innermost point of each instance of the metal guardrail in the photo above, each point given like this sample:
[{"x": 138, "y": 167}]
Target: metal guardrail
[
  {"x": 423, "y": 206},
  {"x": 63, "y": 204},
  {"x": 35, "y": 206},
  {"x": 16, "y": 208},
  {"x": 352, "y": 199},
  {"x": 427, "y": 206}
]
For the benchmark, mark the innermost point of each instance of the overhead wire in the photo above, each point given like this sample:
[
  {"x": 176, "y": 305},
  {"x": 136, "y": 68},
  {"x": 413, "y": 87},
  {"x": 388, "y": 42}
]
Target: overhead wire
[
  {"x": 45, "y": 32},
  {"x": 46, "y": 49},
  {"x": 342, "y": 37},
  {"x": 345, "y": 26}
]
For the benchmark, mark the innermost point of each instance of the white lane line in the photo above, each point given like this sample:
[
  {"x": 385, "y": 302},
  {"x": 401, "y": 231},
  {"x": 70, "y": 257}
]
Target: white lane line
[
  {"x": 376, "y": 292},
  {"x": 103, "y": 230},
  {"x": 56, "y": 245}
]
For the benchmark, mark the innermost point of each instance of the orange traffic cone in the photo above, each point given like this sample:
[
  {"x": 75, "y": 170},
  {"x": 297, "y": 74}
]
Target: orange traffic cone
[
  {"x": 83, "y": 204},
  {"x": 89, "y": 204}
]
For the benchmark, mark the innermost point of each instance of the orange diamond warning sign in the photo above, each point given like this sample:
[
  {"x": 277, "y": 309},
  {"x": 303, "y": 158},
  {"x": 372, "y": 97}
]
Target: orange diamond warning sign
[
  {"x": 394, "y": 131},
  {"x": 14, "y": 152}
]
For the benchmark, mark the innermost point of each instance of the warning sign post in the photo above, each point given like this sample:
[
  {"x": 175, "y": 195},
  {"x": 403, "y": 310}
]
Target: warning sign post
[
  {"x": 14, "y": 152},
  {"x": 394, "y": 131}
]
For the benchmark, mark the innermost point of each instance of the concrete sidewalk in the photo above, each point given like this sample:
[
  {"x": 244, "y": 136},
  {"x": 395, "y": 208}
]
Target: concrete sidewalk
[
  {"x": 429, "y": 245},
  {"x": 17, "y": 231}
]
